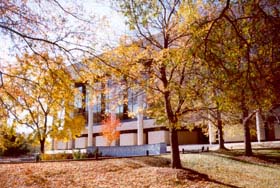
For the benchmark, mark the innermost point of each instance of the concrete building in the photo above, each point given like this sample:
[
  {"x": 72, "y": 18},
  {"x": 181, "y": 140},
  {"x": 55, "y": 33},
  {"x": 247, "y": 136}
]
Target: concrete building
[
  {"x": 139, "y": 130},
  {"x": 135, "y": 130}
]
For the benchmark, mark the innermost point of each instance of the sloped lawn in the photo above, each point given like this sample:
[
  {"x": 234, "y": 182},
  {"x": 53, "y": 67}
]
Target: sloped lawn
[
  {"x": 201, "y": 170},
  {"x": 232, "y": 168}
]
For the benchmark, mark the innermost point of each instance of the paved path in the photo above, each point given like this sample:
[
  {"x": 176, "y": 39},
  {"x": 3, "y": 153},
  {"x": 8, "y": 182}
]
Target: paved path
[{"x": 239, "y": 145}]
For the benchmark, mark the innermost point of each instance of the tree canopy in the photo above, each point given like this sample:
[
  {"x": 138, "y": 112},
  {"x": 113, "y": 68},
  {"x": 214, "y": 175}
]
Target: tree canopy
[{"x": 41, "y": 97}]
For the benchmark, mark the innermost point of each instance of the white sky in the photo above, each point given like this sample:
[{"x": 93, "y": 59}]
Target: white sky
[
  {"x": 114, "y": 20},
  {"x": 107, "y": 33}
]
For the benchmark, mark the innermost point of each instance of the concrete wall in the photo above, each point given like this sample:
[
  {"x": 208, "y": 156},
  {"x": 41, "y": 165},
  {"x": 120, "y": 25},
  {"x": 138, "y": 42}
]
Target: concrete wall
[
  {"x": 81, "y": 142},
  {"x": 71, "y": 144},
  {"x": 61, "y": 145},
  {"x": 233, "y": 133},
  {"x": 93, "y": 141},
  {"x": 212, "y": 130},
  {"x": 130, "y": 125},
  {"x": 128, "y": 139},
  {"x": 127, "y": 151},
  {"x": 101, "y": 141},
  {"x": 260, "y": 129},
  {"x": 155, "y": 137}
]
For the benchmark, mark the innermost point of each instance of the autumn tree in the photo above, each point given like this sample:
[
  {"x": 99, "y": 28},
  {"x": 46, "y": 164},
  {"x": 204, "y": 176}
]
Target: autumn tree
[
  {"x": 109, "y": 129},
  {"x": 57, "y": 27},
  {"x": 236, "y": 51},
  {"x": 161, "y": 61},
  {"x": 214, "y": 114},
  {"x": 3, "y": 122},
  {"x": 41, "y": 98},
  {"x": 241, "y": 47}
]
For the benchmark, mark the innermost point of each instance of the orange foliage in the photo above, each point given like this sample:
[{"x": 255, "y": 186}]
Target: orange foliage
[{"x": 109, "y": 129}]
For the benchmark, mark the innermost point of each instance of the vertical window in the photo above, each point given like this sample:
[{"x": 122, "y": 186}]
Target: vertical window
[
  {"x": 97, "y": 109},
  {"x": 80, "y": 97},
  {"x": 132, "y": 102},
  {"x": 99, "y": 106}
]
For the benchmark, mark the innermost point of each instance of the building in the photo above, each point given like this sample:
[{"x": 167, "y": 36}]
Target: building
[
  {"x": 134, "y": 130},
  {"x": 139, "y": 130}
]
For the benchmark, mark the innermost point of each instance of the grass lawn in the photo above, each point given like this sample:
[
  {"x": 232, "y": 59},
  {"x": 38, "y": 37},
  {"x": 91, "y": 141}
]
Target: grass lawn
[
  {"x": 213, "y": 169},
  {"x": 232, "y": 169}
]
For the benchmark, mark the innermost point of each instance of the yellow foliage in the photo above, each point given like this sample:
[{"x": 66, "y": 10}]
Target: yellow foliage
[{"x": 40, "y": 96}]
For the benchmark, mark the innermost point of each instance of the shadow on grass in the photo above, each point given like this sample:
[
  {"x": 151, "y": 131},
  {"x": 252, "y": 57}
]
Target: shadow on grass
[
  {"x": 182, "y": 174},
  {"x": 269, "y": 155},
  {"x": 153, "y": 161},
  {"x": 197, "y": 176},
  {"x": 262, "y": 157}
]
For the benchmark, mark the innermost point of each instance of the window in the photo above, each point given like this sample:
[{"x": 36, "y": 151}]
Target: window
[{"x": 80, "y": 97}]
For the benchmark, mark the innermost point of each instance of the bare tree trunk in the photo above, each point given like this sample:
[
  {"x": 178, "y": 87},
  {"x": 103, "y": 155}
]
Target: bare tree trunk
[
  {"x": 221, "y": 137},
  {"x": 125, "y": 105},
  {"x": 175, "y": 153},
  {"x": 247, "y": 135},
  {"x": 42, "y": 146},
  {"x": 103, "y": 102}
]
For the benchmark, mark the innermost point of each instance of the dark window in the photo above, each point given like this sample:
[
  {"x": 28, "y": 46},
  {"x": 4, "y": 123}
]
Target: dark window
[{"x": 80, "y": 98}]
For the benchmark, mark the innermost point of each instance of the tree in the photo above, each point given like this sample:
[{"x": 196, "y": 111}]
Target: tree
[
  {"x": 241, "y": 46},
  {"x": 35, "y": 27},
  {"x": 41, "y": 97},
  {"x": 161, "y": 61},
  {"x": 109, "y": 129},
  {"x": 236, "y": 52},
  {"x": 214, "y": 116}
]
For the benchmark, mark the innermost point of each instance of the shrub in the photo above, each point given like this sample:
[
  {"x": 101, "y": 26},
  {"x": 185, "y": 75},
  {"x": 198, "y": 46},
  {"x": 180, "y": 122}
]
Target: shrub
[
  {"x": 79, "y": 155},
  {"x": 94, "y": 154},
  {"x": 46, "y": 157},
  {"x": 12, "y": 143},
  {"x": 57, "y": 156}
]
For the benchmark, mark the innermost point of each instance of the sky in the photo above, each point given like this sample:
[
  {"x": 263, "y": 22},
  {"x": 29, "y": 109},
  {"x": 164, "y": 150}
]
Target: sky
[
  {"x": 115, "y": 21},
  {"x": 108, "y": 32}
]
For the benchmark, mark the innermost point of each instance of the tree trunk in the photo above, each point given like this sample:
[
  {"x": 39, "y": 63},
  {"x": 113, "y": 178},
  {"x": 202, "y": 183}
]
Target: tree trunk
[
  {"x": 173, "y": 120},
  {"x": 175, "y": 153},
  {"x": 247, "y": 135},
  {"x": 220, "y": 131},
  {"x": 221, "y": 137},
  {"x": 125, "y": 105},
  {"x": 42, "y": 146},
  {"x": 103, "y": 102}
]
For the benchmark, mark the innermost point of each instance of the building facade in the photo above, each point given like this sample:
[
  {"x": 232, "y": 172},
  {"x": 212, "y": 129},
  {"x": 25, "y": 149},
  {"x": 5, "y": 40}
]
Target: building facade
[
  {"x": 137, "y": 129},
  {"x": 129, "y": 107}
]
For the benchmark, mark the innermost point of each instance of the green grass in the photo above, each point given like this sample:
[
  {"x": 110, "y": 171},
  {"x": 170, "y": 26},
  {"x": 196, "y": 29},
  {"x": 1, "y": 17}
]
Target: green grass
[{"x": 230, "y": 169}]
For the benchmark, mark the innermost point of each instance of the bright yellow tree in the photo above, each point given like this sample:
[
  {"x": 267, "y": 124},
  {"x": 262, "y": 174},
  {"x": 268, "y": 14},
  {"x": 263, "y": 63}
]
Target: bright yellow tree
[{"x": 41, "y": 97}]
